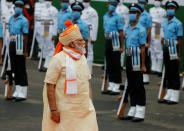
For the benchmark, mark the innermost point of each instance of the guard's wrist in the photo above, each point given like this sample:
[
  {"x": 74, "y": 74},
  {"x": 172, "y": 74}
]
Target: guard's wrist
[{"x": 53, "y": 110}]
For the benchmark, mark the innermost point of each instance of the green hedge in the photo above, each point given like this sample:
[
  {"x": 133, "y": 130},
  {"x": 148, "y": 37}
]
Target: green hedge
[{"x": 101, "y": 8}]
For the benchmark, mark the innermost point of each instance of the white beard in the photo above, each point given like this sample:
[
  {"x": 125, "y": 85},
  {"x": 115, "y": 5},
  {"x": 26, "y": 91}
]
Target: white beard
[{"x": 81, "y": 49}]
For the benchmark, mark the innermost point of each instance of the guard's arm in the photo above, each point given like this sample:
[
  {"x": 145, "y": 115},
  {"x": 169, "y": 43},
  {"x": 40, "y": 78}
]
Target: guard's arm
[
  {"x": 179, "y": 40},
  {"x": 149, "y": 36},
  {"x": 121, "y": 36},
  {"x": 25, "y": 37},
  {"x": 143, "y": 67}
]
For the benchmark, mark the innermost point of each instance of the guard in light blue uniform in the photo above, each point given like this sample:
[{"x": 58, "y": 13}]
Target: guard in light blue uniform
[
  {"x": 146, "y": 21},
  {"x": 18, "y": 28},
  {"x": 63, "y": 15},
  {"x": 77, "y": 8},
  {"x": 113, "y": 29},
  {"x": 173, "y": 33},
  {"x": 135, "y": 41}
]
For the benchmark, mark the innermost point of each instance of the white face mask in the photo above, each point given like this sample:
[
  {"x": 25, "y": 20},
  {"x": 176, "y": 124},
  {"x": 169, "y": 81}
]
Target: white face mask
[
  {"x": 48, "y": 4},
  {"x": 157, "y": 3},
  {"x": 121, "y": 1},
  {"x": 86, "y": 4},
  {"x": 9, "y": 4},
  {"x": 41, "y": 0}
]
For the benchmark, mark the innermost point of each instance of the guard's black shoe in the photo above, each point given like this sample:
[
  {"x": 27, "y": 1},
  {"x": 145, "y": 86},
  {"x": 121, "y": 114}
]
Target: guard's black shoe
[
  {"x": 146, "y": 83},
  {"x": 19, "y": 99},
  {"x": 35, "y": 58},
  {"x": 121, "y": 87},
  {"x": 159, "y": 74},
  {"x": 9, "y": 98},
  {"x": 171, "y": 102},
  {"x": 114, "y": 93},
  {"x": 135, "y": 119},
  {"x": 105, "y": 92},
  {"x": 126, "y": 118},
  {"x": 162, "y": 101},
  {"x": 43, "y": 69}
]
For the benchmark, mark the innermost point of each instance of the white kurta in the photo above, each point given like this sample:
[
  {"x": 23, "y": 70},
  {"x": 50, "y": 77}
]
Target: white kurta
[{"x": 77, "y": 113}]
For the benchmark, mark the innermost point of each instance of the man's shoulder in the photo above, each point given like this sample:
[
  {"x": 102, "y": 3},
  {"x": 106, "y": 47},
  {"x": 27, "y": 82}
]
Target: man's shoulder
[
  {"x": 81, "y": 22},
  {"x": 122, "y": 7},
  {"x": 24, "y": 19},
  {"x": 152, "y": 9},
  {"x": 53, "y": 9},
  {"x": 59, "y": 56},
  {"x": 92, "y": 9},
  {"x": 89, "y": 11},
  {"x": 118, "y": 16},
  {"x": 141, "y": 28},
  {"x": 11, "y": 18},
  {"x": 177, "y": 21},
  {"x": 105, "y": 15}
]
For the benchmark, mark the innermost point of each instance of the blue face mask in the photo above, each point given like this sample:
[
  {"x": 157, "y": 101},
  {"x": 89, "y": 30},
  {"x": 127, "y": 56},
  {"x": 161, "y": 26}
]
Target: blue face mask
[
  {"x": 142, "y": 6},
  {"x": 76, "y": 15},
  {"x": 111, "y": 8},
  {"x": 64, "y": 6},
  {"x": 170, "y": 12},
  {"x": 18, "y": 10},
  {"x": 132, "y": 17}
]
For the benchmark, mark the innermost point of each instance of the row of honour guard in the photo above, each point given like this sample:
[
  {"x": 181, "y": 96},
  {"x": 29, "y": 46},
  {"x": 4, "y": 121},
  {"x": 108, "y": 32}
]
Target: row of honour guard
[
  {"x": 147, "y": 42},
  {"x": 135, "y": 39}
]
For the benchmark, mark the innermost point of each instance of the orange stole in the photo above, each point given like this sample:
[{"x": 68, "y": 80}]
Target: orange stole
[{"x": 59, "y": 48}]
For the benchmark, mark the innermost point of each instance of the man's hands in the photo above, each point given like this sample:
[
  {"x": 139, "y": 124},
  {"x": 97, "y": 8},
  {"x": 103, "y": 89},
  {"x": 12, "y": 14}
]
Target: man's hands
[
  {"x": 55, "y": 116},
  {"x": 26, "y": 54},
  {"x": 143, "y": 69},
  {"x": 121, "y": 49},
  {"x": 147, "y": 45}
]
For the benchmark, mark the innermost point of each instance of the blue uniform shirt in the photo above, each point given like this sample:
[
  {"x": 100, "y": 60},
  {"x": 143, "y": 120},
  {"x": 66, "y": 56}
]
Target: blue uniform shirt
[
  {"x": 84, "y": 29},
  {"x": 172, "y": 29},
  {"x": 136, "y": 36},
  {"x": 145, "y": 20},
  {"x": 112, "y": 23},
  {"x": 62, "y": 17},
  {"x": 1, "y": 29},
  {"x": 18, "y": 25}
]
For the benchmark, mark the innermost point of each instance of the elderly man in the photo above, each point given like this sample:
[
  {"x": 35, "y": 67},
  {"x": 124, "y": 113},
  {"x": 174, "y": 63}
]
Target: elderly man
[{"x": 67, "y": 103}]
